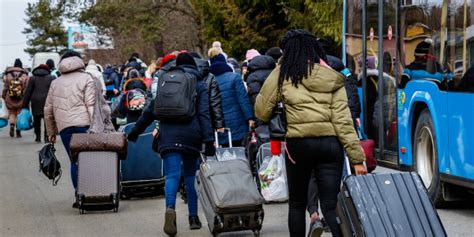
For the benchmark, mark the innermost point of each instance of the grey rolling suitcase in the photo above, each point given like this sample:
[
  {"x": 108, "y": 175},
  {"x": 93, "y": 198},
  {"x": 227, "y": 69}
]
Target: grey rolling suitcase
[
  {"x": 229, "y": 196},
  {"x": 98, "y": 185},
  {"x": 395, "y": 204}
]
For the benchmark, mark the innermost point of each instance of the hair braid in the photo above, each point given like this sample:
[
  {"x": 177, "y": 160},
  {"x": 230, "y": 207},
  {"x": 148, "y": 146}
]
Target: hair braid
[{"x": 301, "y": 51}]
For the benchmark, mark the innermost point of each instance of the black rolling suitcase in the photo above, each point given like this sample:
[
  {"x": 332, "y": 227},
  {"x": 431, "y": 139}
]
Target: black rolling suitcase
[{"x": 393, "y": 204}]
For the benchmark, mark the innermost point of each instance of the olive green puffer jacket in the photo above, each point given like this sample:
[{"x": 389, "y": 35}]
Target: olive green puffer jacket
[{"x": 317, "y": 107}]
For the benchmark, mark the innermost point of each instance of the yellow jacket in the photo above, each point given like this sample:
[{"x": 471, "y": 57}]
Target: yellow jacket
[{"x": 318, "y": 107}]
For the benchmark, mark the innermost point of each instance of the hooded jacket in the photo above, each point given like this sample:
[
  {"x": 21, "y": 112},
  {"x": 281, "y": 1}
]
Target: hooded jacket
[
  {"x": 316, "y": 108},
  {"x": 182, "y": 136},
  {"x": 110, "y": 73},
  {"x": 12, "y": 103},
  {"x": 37, "y": 90},
  {"x": 94, "y": 71},
  {"x": 258, "y": 70},
  {"x": 215, "y": 101},
  {"x": 71, "y": 97}
]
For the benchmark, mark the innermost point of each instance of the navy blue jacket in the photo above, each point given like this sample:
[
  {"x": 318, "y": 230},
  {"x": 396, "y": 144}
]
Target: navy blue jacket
[
  {"x": 182, "y": 136},
  {"x": 235, "y": 104},
  {"x": 110, "y": 72}
]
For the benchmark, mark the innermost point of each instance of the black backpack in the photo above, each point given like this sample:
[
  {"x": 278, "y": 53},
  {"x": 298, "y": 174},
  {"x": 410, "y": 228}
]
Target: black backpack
[
  {"x": 175, "y": 96},
  {"x": 48, "y": 163},
  {"x": 109, "y": 80}
]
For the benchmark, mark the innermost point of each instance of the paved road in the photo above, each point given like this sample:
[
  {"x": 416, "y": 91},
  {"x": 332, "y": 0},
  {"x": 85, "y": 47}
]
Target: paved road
[{"x": 31, "y": 206}]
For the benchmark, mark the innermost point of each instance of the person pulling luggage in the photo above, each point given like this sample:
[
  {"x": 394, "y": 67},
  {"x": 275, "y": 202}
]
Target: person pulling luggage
[
  {"x": 183, "y": 129},
  {"x": 319, "y": 126}
]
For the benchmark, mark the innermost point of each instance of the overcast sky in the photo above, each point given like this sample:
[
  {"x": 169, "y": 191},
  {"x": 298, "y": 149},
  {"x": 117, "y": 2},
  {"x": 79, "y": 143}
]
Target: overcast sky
[{"x": 12, "y": 41}]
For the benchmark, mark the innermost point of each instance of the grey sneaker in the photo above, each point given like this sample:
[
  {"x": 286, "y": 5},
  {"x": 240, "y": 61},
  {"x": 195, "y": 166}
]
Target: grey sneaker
[
  {"x": 316, "y": 229},
  {"x": 170, "y": 222}
]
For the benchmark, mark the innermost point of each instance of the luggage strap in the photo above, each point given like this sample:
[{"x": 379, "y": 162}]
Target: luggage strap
[{"x": 289, "y": 155}]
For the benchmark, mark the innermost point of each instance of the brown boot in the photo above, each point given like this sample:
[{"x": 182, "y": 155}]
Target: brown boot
[
  {"x": 12, "y": 130},
  {"x": 18, "y": 133}
]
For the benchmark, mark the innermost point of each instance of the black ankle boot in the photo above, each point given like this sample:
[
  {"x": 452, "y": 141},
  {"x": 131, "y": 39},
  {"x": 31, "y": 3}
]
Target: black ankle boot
[{"x": 18, "y": 133}]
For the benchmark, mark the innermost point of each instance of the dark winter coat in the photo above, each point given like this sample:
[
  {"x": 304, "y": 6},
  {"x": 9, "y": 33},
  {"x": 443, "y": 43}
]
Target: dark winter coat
[
  {"x": 258, "y": 70},
  {"x": 350, "y": 84},
  {"x": 37, "y": 90},
  {"x": 164, "y": 69},
  {"x": 215, "y": 101},
  {"x": 110, "y": 73},
  {"x": 236, "y": 106},
  {"x": 182, "y": 136}
]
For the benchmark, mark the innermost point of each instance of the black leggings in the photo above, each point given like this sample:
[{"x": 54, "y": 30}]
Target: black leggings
[{"x": 325, "y": 156}]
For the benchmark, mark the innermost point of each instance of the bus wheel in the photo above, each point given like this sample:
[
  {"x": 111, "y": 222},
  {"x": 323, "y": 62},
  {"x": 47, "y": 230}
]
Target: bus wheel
[{"x": 425, "y": 155}]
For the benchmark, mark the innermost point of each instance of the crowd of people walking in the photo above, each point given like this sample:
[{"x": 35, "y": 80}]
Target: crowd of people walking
[{"x": 318, "y": 92}]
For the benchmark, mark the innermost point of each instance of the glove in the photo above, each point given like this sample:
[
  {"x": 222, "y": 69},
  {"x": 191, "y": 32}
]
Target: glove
[
  {"x": 210, "y": 149},
  {"x": 133, "y": 136}
]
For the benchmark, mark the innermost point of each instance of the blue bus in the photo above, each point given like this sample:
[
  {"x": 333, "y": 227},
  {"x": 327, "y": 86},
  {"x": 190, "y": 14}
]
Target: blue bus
[{"x": 415, "y": 63}]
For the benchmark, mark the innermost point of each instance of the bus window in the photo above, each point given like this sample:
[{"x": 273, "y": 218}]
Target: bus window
[
  {"x": 421, "y": 45},
  {"x": 460, "y": 52}
]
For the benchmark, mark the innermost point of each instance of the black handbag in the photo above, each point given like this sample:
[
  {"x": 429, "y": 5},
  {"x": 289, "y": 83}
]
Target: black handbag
[
  {"x": 278, "y": 123},
  {"x": 49, "y": 164}
]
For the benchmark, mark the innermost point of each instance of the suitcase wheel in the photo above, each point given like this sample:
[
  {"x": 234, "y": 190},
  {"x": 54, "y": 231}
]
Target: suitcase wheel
[
  {"x": 80, "y": 202},
  {"x": 115, "y": 201},
  {"x": 256, "y": 232}
]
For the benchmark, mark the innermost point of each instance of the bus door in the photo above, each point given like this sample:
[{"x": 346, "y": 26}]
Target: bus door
[
  {"x": 380, "y": 103},
  {"x": 460, "y": 61}
]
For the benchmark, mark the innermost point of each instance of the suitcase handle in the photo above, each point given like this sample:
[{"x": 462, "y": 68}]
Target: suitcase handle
[
  {"x": 229, "y": 135},
  {"x": 348, "y": 164}
]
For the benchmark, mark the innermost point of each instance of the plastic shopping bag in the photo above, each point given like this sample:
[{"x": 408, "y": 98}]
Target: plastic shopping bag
[
  {"x": 3, "y": 109},
  {"x": 24, "y": 120},
  {"x": 272, "y": 175}
]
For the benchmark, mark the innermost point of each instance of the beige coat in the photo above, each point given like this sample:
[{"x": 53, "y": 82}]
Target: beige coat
[
  {"x": 71, "y": 97},
  {"x": 318, "y": 107}
]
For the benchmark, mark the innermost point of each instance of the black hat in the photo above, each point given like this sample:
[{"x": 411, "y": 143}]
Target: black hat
[
  {"x": 185, "y": 59},
  {"x": 18, "y": 63},
  {"x": 275, "y": 53},
  {"x": 50, "y": 63},
  {"x": 422, "y": 48}
]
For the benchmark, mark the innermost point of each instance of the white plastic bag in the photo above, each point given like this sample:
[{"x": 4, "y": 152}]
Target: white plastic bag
[
  {"x": 3, "y": 109},
  {"x": 272, "y": 175}
]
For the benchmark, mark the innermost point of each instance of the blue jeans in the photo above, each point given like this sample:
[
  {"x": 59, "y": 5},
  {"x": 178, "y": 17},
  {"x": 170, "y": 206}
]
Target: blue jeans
[
  {"x": 66, "y": 135},
  {"x": 174, "y": 164}
]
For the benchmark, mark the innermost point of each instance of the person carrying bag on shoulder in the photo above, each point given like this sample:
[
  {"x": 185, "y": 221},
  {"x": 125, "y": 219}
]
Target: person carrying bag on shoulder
[{"x": 319, "y": 126}]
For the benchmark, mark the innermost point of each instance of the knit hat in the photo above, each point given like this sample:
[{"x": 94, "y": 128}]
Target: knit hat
[
  {"x": 185, "y": 59},
  {"x": 217, "y": 44},
  {"x": 166, "y": 59},
  {"x": 218, "y": 58},
  {"x": 18, "y": 63},
  {"x": 91, "y": 62},
  {"x": 44, "y": 66},
  {"x": 251, "y": 53},
  {"x": 275, "y": 53},
  {"x": 50, "y": 63},
  {"x": 422, "y": 48}
]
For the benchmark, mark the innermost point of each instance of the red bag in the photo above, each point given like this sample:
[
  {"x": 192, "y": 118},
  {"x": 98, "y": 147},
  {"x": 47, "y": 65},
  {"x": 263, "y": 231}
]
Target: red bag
[{"x": 368, "y": 145}]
